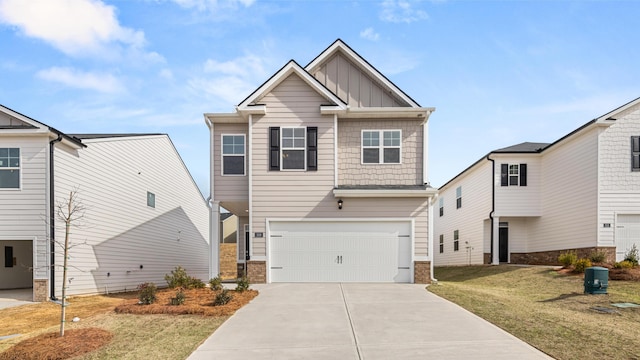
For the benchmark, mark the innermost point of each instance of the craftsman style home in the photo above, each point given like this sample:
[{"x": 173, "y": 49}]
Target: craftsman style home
[
  {"x": 326, "y": 168},
  {"x": 528, "y": 203},
  {"x": 143, "y": 214}
]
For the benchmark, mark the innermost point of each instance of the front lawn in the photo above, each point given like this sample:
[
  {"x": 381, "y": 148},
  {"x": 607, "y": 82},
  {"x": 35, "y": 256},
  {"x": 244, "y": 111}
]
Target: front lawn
[{"x": 548, "y": 309}]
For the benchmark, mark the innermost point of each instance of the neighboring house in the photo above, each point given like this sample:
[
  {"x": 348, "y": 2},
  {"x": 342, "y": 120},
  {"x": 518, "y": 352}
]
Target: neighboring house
[
  {"x": 529, "y": 203},
  {"x": 229, "y": 267},
  {"x": 144, "y": 214},
  {"x": 228, "y": 228},
  {"x": 326, "y": 168}
]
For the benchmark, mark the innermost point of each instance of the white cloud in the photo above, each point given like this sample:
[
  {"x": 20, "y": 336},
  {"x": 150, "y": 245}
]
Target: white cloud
[
  {"x": 105, "y": 83},
  {"x": 369, "y": 34},
  {"x": 166, "y": 74},
  {"x": 401, "y": 11},
  {"x": 212, "y": 4},
  {"x": 75, "y": 27}
]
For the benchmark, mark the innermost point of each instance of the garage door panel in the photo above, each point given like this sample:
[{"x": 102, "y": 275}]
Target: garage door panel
[
  {"x": 340, "y": 252},
  {"x": 627, "y": 234}
]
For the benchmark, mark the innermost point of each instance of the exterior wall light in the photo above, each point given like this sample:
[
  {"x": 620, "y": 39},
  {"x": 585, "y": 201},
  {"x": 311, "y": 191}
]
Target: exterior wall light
[{"x": 340, "y": 204}]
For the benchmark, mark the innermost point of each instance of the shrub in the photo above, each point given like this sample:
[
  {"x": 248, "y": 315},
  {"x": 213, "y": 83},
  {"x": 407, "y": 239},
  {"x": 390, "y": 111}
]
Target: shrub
[
  {"x": 179, "y": 299},
  {"x": 623, "y": 265},
  {"x": 242, "y": 284},
  {"x": 632, "y": 255},
  {"x": 222, "y": 298},
  {"x": 216, "y": 283},
  {"x": 581, "y": 265},
  {"x": 567, "y": 259},
  {"x": 147, "y": 293},
  {"x": 598, "y": 257},
  {"x": 180, "y": 278}
]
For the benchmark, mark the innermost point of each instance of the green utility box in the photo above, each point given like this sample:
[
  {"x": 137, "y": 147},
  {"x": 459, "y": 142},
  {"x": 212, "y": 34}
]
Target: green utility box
[{"x": 596, "y": 280}]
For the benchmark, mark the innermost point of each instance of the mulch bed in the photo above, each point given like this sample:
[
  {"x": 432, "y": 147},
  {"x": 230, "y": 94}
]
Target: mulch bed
[
  {"x": 614, "y": 274},
  {"x": 51, "y": 346},
  {"x": 198, "y": 302}
]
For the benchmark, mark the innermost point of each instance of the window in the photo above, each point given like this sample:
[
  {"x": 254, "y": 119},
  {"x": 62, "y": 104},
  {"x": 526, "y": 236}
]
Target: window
[
  {"x": 293, "y": 148},
  {"x": 8, "y": 256},
  {"x": 381, "y": 146},
  {"x": 233, "y": 151},
  {"x": 441, "y": 205},
  {"x": 458, "y": 197},
  {"x": 151, "y": 199},
  {"x": 513, "y": 175},
  {"x": 635, "y": 153},
  {"x": 456, "y": 242},
  {"x": 441, "y": 243},
  {"x": 9, "y": 168}
]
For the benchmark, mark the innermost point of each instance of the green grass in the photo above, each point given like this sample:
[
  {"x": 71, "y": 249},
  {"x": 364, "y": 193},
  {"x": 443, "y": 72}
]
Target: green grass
[{"x": 547, "y": 310}]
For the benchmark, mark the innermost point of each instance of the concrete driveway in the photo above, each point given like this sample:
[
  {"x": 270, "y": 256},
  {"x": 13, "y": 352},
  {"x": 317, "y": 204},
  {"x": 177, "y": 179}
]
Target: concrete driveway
[
  {"x": 13, "y": 298},
  {"x": 357, "y": 321}
]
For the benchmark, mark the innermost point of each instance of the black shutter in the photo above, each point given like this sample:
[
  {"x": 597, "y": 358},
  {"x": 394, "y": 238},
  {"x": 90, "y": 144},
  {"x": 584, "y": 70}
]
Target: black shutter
[
  {"x": 504, "y": 175},
  {"x": 523, "y": 174},
  {"x": 274, "y": 148},
  {"x": 635, "y": 153},
  {"x": 312, "y": 148}
]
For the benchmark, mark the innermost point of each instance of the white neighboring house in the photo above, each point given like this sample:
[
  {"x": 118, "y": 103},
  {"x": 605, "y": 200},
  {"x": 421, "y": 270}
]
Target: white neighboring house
[
  {"x": 144, "y": 213},
  {"x": 528, "y": 203}
]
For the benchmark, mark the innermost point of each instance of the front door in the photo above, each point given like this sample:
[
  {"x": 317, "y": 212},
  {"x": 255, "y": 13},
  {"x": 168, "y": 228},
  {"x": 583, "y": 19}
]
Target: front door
[{"x": 503, "y": 243}]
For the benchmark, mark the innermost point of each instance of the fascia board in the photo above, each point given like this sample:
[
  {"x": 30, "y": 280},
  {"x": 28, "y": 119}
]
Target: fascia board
[
  {"x": 609, "y": 118},
  {"x": 383, "y": 193}
]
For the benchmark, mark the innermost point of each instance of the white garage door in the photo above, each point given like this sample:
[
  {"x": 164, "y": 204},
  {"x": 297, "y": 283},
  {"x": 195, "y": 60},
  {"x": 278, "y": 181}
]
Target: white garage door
[
  {"x": 627, "y": 234},
  {"x": 340, "y": 251}
]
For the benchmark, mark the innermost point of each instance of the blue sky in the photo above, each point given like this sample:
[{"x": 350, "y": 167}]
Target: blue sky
[{"x": 498, "y": 72}]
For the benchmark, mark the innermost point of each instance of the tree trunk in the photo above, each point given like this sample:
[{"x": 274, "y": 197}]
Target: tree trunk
[{"x": 67, "y": 226}]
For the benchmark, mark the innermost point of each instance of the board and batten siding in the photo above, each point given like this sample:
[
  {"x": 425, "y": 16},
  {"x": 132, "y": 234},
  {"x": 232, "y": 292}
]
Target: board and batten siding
[
  {"x": 352, "y": 85},
  {"x": 469, "y": 219},
  {"x": 518, "y": 200},
  {"x": 309, "y": 194},
  {"x": 24, "y": 212},
  {"x": 569, "y": 195},
  {"x": 351, "y": 171},
  {"x": 619, "y": 186},
  {"x": 229, "y": 188},
  {"x": 125, "y": 241}
]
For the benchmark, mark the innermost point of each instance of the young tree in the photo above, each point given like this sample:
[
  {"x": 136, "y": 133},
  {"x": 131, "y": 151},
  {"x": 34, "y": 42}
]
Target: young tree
[{"x": 70, "y": 211}]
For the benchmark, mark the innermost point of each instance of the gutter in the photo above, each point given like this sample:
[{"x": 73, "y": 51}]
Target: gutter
[
  {"x": 493, "y": 200},
  {"x": 52, "y": 218}
]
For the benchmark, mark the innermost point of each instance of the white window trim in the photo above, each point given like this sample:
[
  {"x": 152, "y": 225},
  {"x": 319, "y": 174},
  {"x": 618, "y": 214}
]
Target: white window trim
[
  {"x": 459, "y": 196},
  {"x": 509, "y": 175},
  {"x": 222, "y": 154},
  {"x": 19, "y": 168},
  {"x": 304, "y": 149},
  {"x": 380, "y": 146}
]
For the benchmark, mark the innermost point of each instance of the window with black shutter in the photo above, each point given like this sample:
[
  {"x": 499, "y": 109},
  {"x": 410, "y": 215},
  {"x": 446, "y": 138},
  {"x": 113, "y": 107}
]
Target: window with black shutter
[
  {"x": 513, "y": 175},
  {"x": 635, "y": 153},
  {"x": 293, "y": 148},
  {"x": 312, "y": 148}
]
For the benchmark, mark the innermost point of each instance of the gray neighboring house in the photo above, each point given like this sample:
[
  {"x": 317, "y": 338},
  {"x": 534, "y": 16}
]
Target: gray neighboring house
[
  {"x": 144, "y": 213},
  {"x": 326, "y": 168}
]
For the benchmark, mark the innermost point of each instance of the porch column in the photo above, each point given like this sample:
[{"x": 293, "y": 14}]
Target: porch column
[
  {"x": 214, "y": 235},
  {"x": 495, "y": 259}
]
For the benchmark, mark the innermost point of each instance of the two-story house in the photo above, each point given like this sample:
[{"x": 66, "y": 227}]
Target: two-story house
[
  {"x": 326, "y": 168},
  {"x": 143, "y": 214},
  {"x": 529, "y": 203}
]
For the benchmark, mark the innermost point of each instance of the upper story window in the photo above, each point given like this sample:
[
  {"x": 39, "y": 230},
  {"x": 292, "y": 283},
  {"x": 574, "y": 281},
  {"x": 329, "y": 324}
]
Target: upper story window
[
  {"x": 441, "y": 205},
  {"x": 293, "y": 148},
  {"x": 233, "y": 154},
  {"x": 635, "y": 153},
  {"x": 381, "y": 146},
  {"x": 458, "y": 197},
  {"x": 513, "y": 175},
  {"x": 9, "y": 168}
]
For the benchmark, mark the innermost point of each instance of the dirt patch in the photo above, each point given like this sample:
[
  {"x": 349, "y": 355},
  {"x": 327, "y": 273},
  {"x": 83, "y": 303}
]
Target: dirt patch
[
  {"x": 197, "y": 302},
  {"x": 51, "y": 346}
]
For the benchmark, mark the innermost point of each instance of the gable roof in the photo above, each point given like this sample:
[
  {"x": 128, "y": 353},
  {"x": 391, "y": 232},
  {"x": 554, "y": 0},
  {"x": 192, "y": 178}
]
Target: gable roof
[
  {"x": 107, "y": 136},
  {"x": 249, "y": 104},
  {"x": 36, "y": 125},
  {"x": 525, "y": 147},
  {"x": 343, "y": 48}
]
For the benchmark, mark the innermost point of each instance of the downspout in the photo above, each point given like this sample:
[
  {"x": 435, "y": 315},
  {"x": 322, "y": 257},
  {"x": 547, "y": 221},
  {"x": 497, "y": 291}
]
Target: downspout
[
  {"x": 52, "y": 218},
  {"x": 493, "y": 200}
]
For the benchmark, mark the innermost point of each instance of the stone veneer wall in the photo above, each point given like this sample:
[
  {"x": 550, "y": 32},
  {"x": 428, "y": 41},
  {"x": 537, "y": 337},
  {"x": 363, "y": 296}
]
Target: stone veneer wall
[
  {"x": 257, "y": 271},
  {"x": 228, "y": 265},
  {"x": 422, "y": 272},
  {"x": 40, "y": 290},
  {"x": 551, "y": 257}
]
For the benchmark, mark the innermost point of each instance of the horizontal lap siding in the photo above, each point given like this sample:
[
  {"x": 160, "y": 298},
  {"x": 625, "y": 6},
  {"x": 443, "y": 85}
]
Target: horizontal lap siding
[
  {"x": 229, "y": 188},
  {"x": 519, "y": 200},
  {"x": 619, "y": 186},
  {"x": 121, "y": 232},
  {"x": 468, "y": 219},
  {"x": 569, "y": 196}
]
